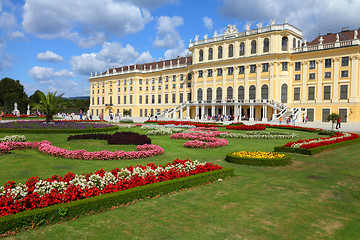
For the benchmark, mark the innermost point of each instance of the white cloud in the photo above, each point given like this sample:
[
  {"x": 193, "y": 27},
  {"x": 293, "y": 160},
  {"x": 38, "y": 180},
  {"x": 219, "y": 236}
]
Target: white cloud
[
  {"x": 111, "y": 55},
  {"x": 152, "y": 3},
  {"x": 179, "y": 50},
  {"x": 307, "y": 15},
  {"x": 46, "y": 75},
  {"x": 93, "y": 19},
  {"x": 49, "y": 56},
  {"x": 16, "y": 34},
  {"x": 5, "y": 59},
  {"x": 208, "y": 22},
  {"x": 7, "y": 21},
  {"x": 167, "y": 35},
  {"x": 145, "y": 57}
]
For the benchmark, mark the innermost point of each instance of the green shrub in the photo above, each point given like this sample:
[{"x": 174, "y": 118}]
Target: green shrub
[
  {"x": 259, "y": 161},
  {"x": 52, "y": 131},
  {"x": 73, "y": 209},
  {"x": 127, "y": 121}
]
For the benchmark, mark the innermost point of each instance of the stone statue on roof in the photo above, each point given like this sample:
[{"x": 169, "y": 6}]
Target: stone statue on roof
[
  {"x": 215, "y": 34},
  {"x": 230, "y": 29},
  {"x": 196, "y": 38},
  {"x": 356, "y": 34},
  {"x": 205, "y": 36},
  {"x": 337, "y": 37},
  {"x": 247, "y": 27},
  {"x": 259, "y": 25},
  {"x": 272, "y": 22},
  {"x": 321, "y": 40}
]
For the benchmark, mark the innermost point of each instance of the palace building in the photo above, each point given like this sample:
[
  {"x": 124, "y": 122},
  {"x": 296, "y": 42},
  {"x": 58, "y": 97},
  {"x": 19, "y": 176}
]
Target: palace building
[{"x": 260, "y": 74}]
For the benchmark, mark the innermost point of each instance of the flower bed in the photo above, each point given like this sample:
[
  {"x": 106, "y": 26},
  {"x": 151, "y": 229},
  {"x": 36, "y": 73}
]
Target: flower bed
[
  {"x": 38, "y": 193},
  {"x": 201, "y": 139},
  {"x": 164, "y": 131},
  {"x": 106, "y": 201},
  {"x": 142, "y": 151},
  {"x": 125, "y": 126},
  {"x": 259, "y": 135},
  {"x": 55, "y": 127},
  {"x": 183, "y": 122},
  {"x": 306, "y": 129},
  {"x": 118, "y": 138},
  {"x": 258, "y": 158},
  {"x": 313, "y": 146},
  {"x": 22, "y": 116},
  {"x": 13, "y": 138},
  {"x": 247, "y": 127}
]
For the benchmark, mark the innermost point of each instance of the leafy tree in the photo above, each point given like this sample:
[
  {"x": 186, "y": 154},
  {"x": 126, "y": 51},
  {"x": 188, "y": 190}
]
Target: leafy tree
[
  {"x": 35, "y": 98},
  {"x": 12, "y": 91},
  {"x": 49, "y": 105},
  {"x": 126, "y": 112},
  {"x": 333, "y": 118}
]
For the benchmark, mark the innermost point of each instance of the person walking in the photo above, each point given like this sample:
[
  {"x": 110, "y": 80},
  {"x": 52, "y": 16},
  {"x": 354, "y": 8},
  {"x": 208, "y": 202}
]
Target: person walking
[{"x": 338, "y": 124}]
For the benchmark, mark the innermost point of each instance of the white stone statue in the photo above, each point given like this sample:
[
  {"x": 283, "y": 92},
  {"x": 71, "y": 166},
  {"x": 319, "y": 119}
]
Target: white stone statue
[
  {"x": 114, "y": 70},
  {"x": 230, "y": 29},
  {"x": 190, "y": 40},
  {"x": 337, "y": 37},
  {"x": 286, "y": 20},
  {"x": 259, "y": 25},
  {"x": 144, "y": 67},
  {"x": 215, "y": 34},
  {"x": 321, "y": 40},
  {"x": 15, "y": 106},
  {"x": 272, "y": 22},
  {"x": 91, "y": 74},
  {"x": 247, "y": 27},
  {"x": 305, "y": 43},
  {"x": 28, "y": 110},
  {"x": 178, "y": 62},
  {"x": 205, "y": 36},
  {"x": 356, "y": 34},
  {"x": 196, "y": 38}
]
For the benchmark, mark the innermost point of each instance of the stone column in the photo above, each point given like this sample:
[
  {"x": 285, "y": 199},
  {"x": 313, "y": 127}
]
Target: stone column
[
  {"x": 251, "y": 112},
  {"x": 235, "y": 86},
  {"x": 224, "y": 110},
  {"x": 196, "y": 112},
  {"x": 213, "y": 110},
  {"x": 271, "y": 81},
  {"x": 187, "y": 112},
  {"x": 335, "y": 96},
  {"x": 258, "y": 83},
  {"x": 304, "y": 81},
  {"x": 246, "y": 83},
  {"x": 319, "y": 80},
  {"x": 202, "y": 112},
  {"x": 354, "y": 81}
]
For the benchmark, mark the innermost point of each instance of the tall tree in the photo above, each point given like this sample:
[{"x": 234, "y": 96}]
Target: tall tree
[
  {"x": 333, "y": 118},
  {"x": 12, "y": 91},
  {"x": 49, "y": 105}
]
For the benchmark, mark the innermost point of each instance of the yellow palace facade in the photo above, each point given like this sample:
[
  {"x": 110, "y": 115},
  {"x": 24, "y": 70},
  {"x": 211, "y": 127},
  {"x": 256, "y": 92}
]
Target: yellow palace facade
[{"x": 259, "y": 74}]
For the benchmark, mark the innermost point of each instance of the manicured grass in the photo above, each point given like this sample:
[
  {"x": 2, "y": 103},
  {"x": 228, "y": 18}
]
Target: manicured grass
[{"x": 317, "y": 197}]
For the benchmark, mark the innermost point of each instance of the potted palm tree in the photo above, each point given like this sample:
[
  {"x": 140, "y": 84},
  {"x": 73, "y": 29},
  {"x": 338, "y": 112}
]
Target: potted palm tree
[{"x": 49, "y": 105}]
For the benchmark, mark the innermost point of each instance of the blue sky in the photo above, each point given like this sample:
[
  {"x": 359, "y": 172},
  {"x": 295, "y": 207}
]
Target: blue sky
[{"x": 54, "y": 45}]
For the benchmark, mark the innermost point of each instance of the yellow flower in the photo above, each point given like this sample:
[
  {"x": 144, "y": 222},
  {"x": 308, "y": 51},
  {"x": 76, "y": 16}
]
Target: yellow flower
[{"x": 258, "y": 154}]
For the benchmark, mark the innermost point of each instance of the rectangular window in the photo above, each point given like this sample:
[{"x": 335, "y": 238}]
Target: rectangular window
[
  {"x": 181, "y": 97},
  {"x": 130, "y": 88},
  {"x": 298, "y": 66},
  {"x": 296, "y": 93},
  {"x": 159, "y": 98},
  {"x": 146, "y": 113},
  {"x": 140, "y": 81},
  {"x": 103, "y": 100},
  {"x": 147, "y": 81},
  {"x": 325, "y": 114},
  {"x": 327, "y": 75},
  {"x": 253, "y": 68},
  {"x": 130, "y": 81},
  {"x": 181, "y": 85},
  {"x": 173, "y": 98},
  {"x": 153, "y": 88},
  {"x": 312, "y": 64},
  {"x": 189, "y": 84},
  {"x": 284, "y": 66},
  {"x": 110, "y": 89},
  {"x": 311, "y": 93},
  {"x": 311, "y": 75},
  {"x": 345, "y": 61},
  {"x": 146, "y": 99},
  {"x": 200, "y": 74},
  {"x": 118, "y": 89},
  {"x": 159, "y": 87},
  {"x": 97, "y": 101},
  {"x": 119, "y": 99},
  {"x": 125, "y": 82},
  {"x": 131, "y": 99},
  {"x": 230, "y": 71},
  {"x": 189, "y": 96},
  {"x": 174, "y": 86},
  {"x": 189, "y": 76},
  {"x": 167, "y": 79},
  {"x": 343, "y": 91},
  {"x": 265, "y": 67},
  {"x": 103, "y": 91},
  {"x": 140, "y": 99},
  {"x": 141, "y": 112},
  {"x": 166, "y": 98},
  {"x": 209, "y": 72},
  {"x": 310, "y": 114},
  {"x": 152, "y": 99},
  {"x": 219, "y": 71},
  {"x": 174, "y": 78},
  {"x": 241, "y": 69},
  {"x": 297, "y": 77},
  {"x": 124, "y": 89},
  {"x": 153, "y": 81},
  {"x": 166, "y": 86},
  {"x": 181, "y": 77},
  {"x": 147, "y": 88},
  {"x": 124, "y": 99},
  {"x": 140, "y": 88},
  {"x": 327, "y": 92},
  {"x": 328, "y": 63},
  {"x": 110, "y": 83},
  {"x": 345, "y": 74}
]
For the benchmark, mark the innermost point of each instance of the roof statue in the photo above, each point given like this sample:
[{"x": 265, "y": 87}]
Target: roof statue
[
  {"x": 337, "y": 37},
  {"x": 355, "y": 34},
  {"x": 272, "y": 22},
  {"x": 230, "y": 29},
  {"x": 247, "y": 27},
  {"x": 114, "y": 70},
  {"x": 305, "y": 43},
  {"x": 215, "y": 34},
  {"x": 321, "y": 40},
  {"x": 205, "y": 36},
  {"x": 286, "y": 20},
  {"x": 259, "y": 25},
  {"x": 196, "y": 38}
]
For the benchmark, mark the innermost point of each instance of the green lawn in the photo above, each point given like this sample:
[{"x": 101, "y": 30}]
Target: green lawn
[{"x": 317, "y": 197}]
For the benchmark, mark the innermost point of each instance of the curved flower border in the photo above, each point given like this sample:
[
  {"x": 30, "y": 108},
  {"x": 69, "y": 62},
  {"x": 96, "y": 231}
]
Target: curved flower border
[
  {"x": 201, "y": 138},
  {"x": 142, "y": 151}
]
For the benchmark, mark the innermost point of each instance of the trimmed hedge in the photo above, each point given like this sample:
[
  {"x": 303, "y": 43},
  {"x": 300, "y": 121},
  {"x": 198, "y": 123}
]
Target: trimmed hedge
[
  {"x": 127, "y": 121},
  {"x": 313, "y": 151},
  {"x": 52, "y": 131},
  {"x": 272, "y": 162},
  {"x": 56, "y": 213}
]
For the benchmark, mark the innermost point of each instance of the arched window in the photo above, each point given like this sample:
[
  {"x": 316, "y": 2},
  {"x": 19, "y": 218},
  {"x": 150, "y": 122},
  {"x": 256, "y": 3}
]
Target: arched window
[
  {"x": 294, "y": 42},
  {"x": 253, "y": 46},
  {"x": 201, "y": 55},
  {"x": 299, "y": 43},
  {"x": 264, "y": 92},
  {"x": 242, "y": 49},
  {"x": 220, "y": 52},
  {"x": 284, "y": 90},
  {"x": 219, "y": 94},
  {"x": 252, "y": 92},
  {"x": 210, "y": 54},
  {"x": 266, "y": 45},
  {"x": 229, "y": 92},
  {"x": 110, "y": 100},
  {"x": 200, "y": 94},
  {"x": 284, "y": 43},
  {"x": 241, "y": 93},
  {"x": 231, "y": 50},
  {"x": 209, "y": 94}
]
